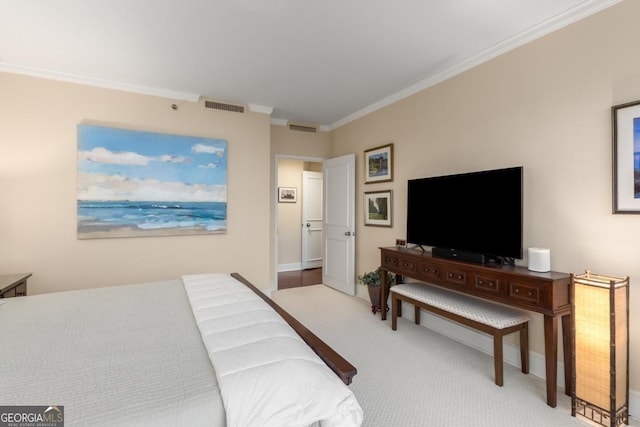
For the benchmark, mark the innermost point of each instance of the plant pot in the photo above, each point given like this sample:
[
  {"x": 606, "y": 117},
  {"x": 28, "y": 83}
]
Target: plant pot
[{"x": 375, "y": 295}]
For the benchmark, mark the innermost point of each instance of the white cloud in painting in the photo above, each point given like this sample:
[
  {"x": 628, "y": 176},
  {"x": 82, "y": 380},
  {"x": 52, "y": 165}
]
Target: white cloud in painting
[
  {"x": 174, "y": 159},
  {"x": 209, "y": 166},
  {"x": 102, "y": 155},
  {"x": 203, "y": 148},
  {"x": 93, "y": 186}
]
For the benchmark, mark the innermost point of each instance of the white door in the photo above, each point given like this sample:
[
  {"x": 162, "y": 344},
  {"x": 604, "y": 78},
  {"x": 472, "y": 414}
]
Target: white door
[
  {"x": 338, "y": 269},
  {"x": 311, "y": 220}
]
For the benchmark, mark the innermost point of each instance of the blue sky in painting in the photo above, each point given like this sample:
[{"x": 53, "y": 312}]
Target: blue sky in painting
[{"x": 121, "y": 164}]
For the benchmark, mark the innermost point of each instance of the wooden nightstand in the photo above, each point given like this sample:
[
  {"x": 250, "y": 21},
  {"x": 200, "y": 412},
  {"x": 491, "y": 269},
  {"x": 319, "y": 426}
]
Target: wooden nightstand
[{"x": 13, "y": 285}]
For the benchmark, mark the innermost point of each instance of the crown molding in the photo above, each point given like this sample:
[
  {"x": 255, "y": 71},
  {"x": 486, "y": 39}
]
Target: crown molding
[
  {"x": 279, "y": 122},
  {"x": 256, "y": 108},
  {"x": 105, "y": 84},
  {"x": 559, "y": 21}
]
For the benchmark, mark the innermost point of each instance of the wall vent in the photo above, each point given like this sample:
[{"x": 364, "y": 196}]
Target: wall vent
[
  {"x": 303, "y": 128},
  {"x": 224, "y": 106}
]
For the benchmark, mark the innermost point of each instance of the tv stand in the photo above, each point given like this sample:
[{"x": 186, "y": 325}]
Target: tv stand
[{"x": 546, "y": 293}]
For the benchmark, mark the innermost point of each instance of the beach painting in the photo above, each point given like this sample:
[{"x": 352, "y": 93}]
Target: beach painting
[{"x": 135, "y": 183}]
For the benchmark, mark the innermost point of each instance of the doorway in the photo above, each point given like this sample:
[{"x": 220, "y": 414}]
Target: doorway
[{"x": 290, "y": 229}]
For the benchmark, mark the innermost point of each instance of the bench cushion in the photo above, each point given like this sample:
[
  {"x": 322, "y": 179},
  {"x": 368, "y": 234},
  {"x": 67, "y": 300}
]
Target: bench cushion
[{"x": 494, "y": 315}]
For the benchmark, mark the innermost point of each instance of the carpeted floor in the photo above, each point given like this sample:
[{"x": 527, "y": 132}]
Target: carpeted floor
[{"x": 417, "y": 377}]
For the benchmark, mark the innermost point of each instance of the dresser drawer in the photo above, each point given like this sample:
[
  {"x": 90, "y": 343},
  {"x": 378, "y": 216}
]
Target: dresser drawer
[
  {"x": 21, "y": 290},
  {"x": 408, "y": 265},
  {"x": 428, "y": 270},
  {"x": 488, "y": 285},
  {"x": 390, "y": 261},
  {"x": 456, "y": 278},
  {"x": 14, "y": 291},
  {"x": 531, "y": 294}
]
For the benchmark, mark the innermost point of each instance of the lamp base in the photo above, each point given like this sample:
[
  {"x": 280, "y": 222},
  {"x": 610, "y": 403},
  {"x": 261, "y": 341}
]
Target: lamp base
[{"x": 598, "y": 416}]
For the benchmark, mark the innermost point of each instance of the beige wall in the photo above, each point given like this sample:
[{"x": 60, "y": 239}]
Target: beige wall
[
  {"x": 545, "y": 106},
  {"x": 38, "y": 151},
  {"x": 299, "y": 144}
]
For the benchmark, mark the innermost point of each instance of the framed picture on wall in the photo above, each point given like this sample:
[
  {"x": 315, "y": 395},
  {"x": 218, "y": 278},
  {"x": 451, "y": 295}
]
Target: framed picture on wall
[
  {"x": 133, "y": 183},
  {"x": 287, "y": 195},
  {"x": 378, "y": 164},
  {"x": 377, "y": 208},
  {"x": 626, "y": 158}
]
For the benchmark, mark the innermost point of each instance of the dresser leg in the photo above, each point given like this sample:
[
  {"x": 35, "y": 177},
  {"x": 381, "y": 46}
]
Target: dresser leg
[{"x": 551, "y": 357}]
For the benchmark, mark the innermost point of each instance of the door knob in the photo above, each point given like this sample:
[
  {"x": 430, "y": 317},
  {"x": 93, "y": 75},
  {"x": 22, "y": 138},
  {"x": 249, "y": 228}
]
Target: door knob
[
  {"x": 308, "y": 225},
  {"x": 347, "y": 233}
]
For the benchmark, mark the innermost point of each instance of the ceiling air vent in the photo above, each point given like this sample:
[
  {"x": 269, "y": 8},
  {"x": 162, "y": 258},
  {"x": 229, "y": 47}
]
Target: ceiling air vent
[
  {"x": 224, "y": 106},
  {"x": 302, "y": 128}
]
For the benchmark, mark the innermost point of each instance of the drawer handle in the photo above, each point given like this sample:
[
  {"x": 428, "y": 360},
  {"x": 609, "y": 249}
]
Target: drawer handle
[
  {"x": 516, "y": 291},
  {"x": 530, "y": 294}
]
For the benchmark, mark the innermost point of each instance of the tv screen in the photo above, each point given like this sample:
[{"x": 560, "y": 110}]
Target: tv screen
[{"x": 477, "y": 212}]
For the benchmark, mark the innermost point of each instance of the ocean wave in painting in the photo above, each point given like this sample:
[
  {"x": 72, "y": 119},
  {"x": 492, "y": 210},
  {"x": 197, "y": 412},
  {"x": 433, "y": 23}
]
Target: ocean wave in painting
[{"x": 105, "y": 216}]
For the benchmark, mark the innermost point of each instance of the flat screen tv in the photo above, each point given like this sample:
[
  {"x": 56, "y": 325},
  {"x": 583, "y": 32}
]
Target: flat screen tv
[{"x": 473, "y": 216}]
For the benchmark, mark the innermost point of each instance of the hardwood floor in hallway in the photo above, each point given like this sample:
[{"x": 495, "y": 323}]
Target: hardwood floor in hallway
[{"x": 297, "y": 278}]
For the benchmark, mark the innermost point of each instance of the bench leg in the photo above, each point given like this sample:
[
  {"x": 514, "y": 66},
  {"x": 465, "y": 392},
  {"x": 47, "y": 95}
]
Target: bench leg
[
  {"x": 524, "y": 348},
  {"x": 497, "y": 359},
  {"x": 395, "y": 304},
  {"x": 416, "y": 315}
]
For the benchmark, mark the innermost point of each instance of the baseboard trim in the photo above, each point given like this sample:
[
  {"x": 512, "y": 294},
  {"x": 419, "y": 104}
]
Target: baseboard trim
[{"x": 289, "y": 267}]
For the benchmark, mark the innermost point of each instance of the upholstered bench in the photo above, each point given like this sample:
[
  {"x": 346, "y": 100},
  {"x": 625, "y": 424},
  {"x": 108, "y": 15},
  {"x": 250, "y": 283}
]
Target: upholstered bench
[{"x": 490, "y": 318}]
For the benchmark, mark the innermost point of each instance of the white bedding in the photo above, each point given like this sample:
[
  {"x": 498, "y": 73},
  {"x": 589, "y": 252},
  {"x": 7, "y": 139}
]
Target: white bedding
[
  {"x": 253, "y": 349},
  {"x": 123, "y": 355}
]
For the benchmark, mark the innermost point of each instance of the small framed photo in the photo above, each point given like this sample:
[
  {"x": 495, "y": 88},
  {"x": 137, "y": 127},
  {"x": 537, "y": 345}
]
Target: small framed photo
[
  {"x": 377, "y": 208},
  {"x": 626, "y": 161},
  {"x": 378, "y": 164},
  {"x": 287, "y": 195}
]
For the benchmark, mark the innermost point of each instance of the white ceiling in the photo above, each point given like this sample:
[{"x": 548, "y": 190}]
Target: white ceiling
[{"x": 313, "y": 61}]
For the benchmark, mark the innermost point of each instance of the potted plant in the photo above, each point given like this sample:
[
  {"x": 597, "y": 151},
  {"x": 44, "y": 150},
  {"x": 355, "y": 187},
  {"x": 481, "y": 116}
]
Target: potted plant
[{"x": 373, "y": 281}]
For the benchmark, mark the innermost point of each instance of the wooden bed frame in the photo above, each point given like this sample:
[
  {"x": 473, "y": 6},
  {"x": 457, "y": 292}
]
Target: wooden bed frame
[{"x": 337, "y": 363}]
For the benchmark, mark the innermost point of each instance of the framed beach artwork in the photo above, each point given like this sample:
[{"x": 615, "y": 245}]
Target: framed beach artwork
[
  {"x": 378, "y": 164},
  {"x": 135, "y": 183},
  {"x": 377, "y": 208},
  {"x": 626, "y": 158}
]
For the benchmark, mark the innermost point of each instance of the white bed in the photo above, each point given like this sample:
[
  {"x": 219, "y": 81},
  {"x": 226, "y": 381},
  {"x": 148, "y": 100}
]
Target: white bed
[{"x": 200, "y": 350}]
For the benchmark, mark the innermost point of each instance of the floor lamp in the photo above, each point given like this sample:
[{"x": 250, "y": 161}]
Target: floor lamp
[{"x": 600, "y": 324}]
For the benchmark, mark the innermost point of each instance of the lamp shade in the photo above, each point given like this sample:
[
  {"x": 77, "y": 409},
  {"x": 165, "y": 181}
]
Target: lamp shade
[{"x": 600, "y": 323}]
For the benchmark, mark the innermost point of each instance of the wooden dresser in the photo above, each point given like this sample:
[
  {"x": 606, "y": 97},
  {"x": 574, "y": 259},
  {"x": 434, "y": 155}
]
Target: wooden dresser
[
  {"x": 13, "y": 285},
  {"x": 546, "y": 293}
]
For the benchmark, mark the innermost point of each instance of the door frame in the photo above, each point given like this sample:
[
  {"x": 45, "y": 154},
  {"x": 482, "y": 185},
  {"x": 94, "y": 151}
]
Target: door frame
[{"x": 278, "y": 157}]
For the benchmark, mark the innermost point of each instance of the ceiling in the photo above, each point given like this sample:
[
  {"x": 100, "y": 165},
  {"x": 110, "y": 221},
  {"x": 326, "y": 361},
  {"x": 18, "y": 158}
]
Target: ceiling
[{"x": 307, "y": 61}]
